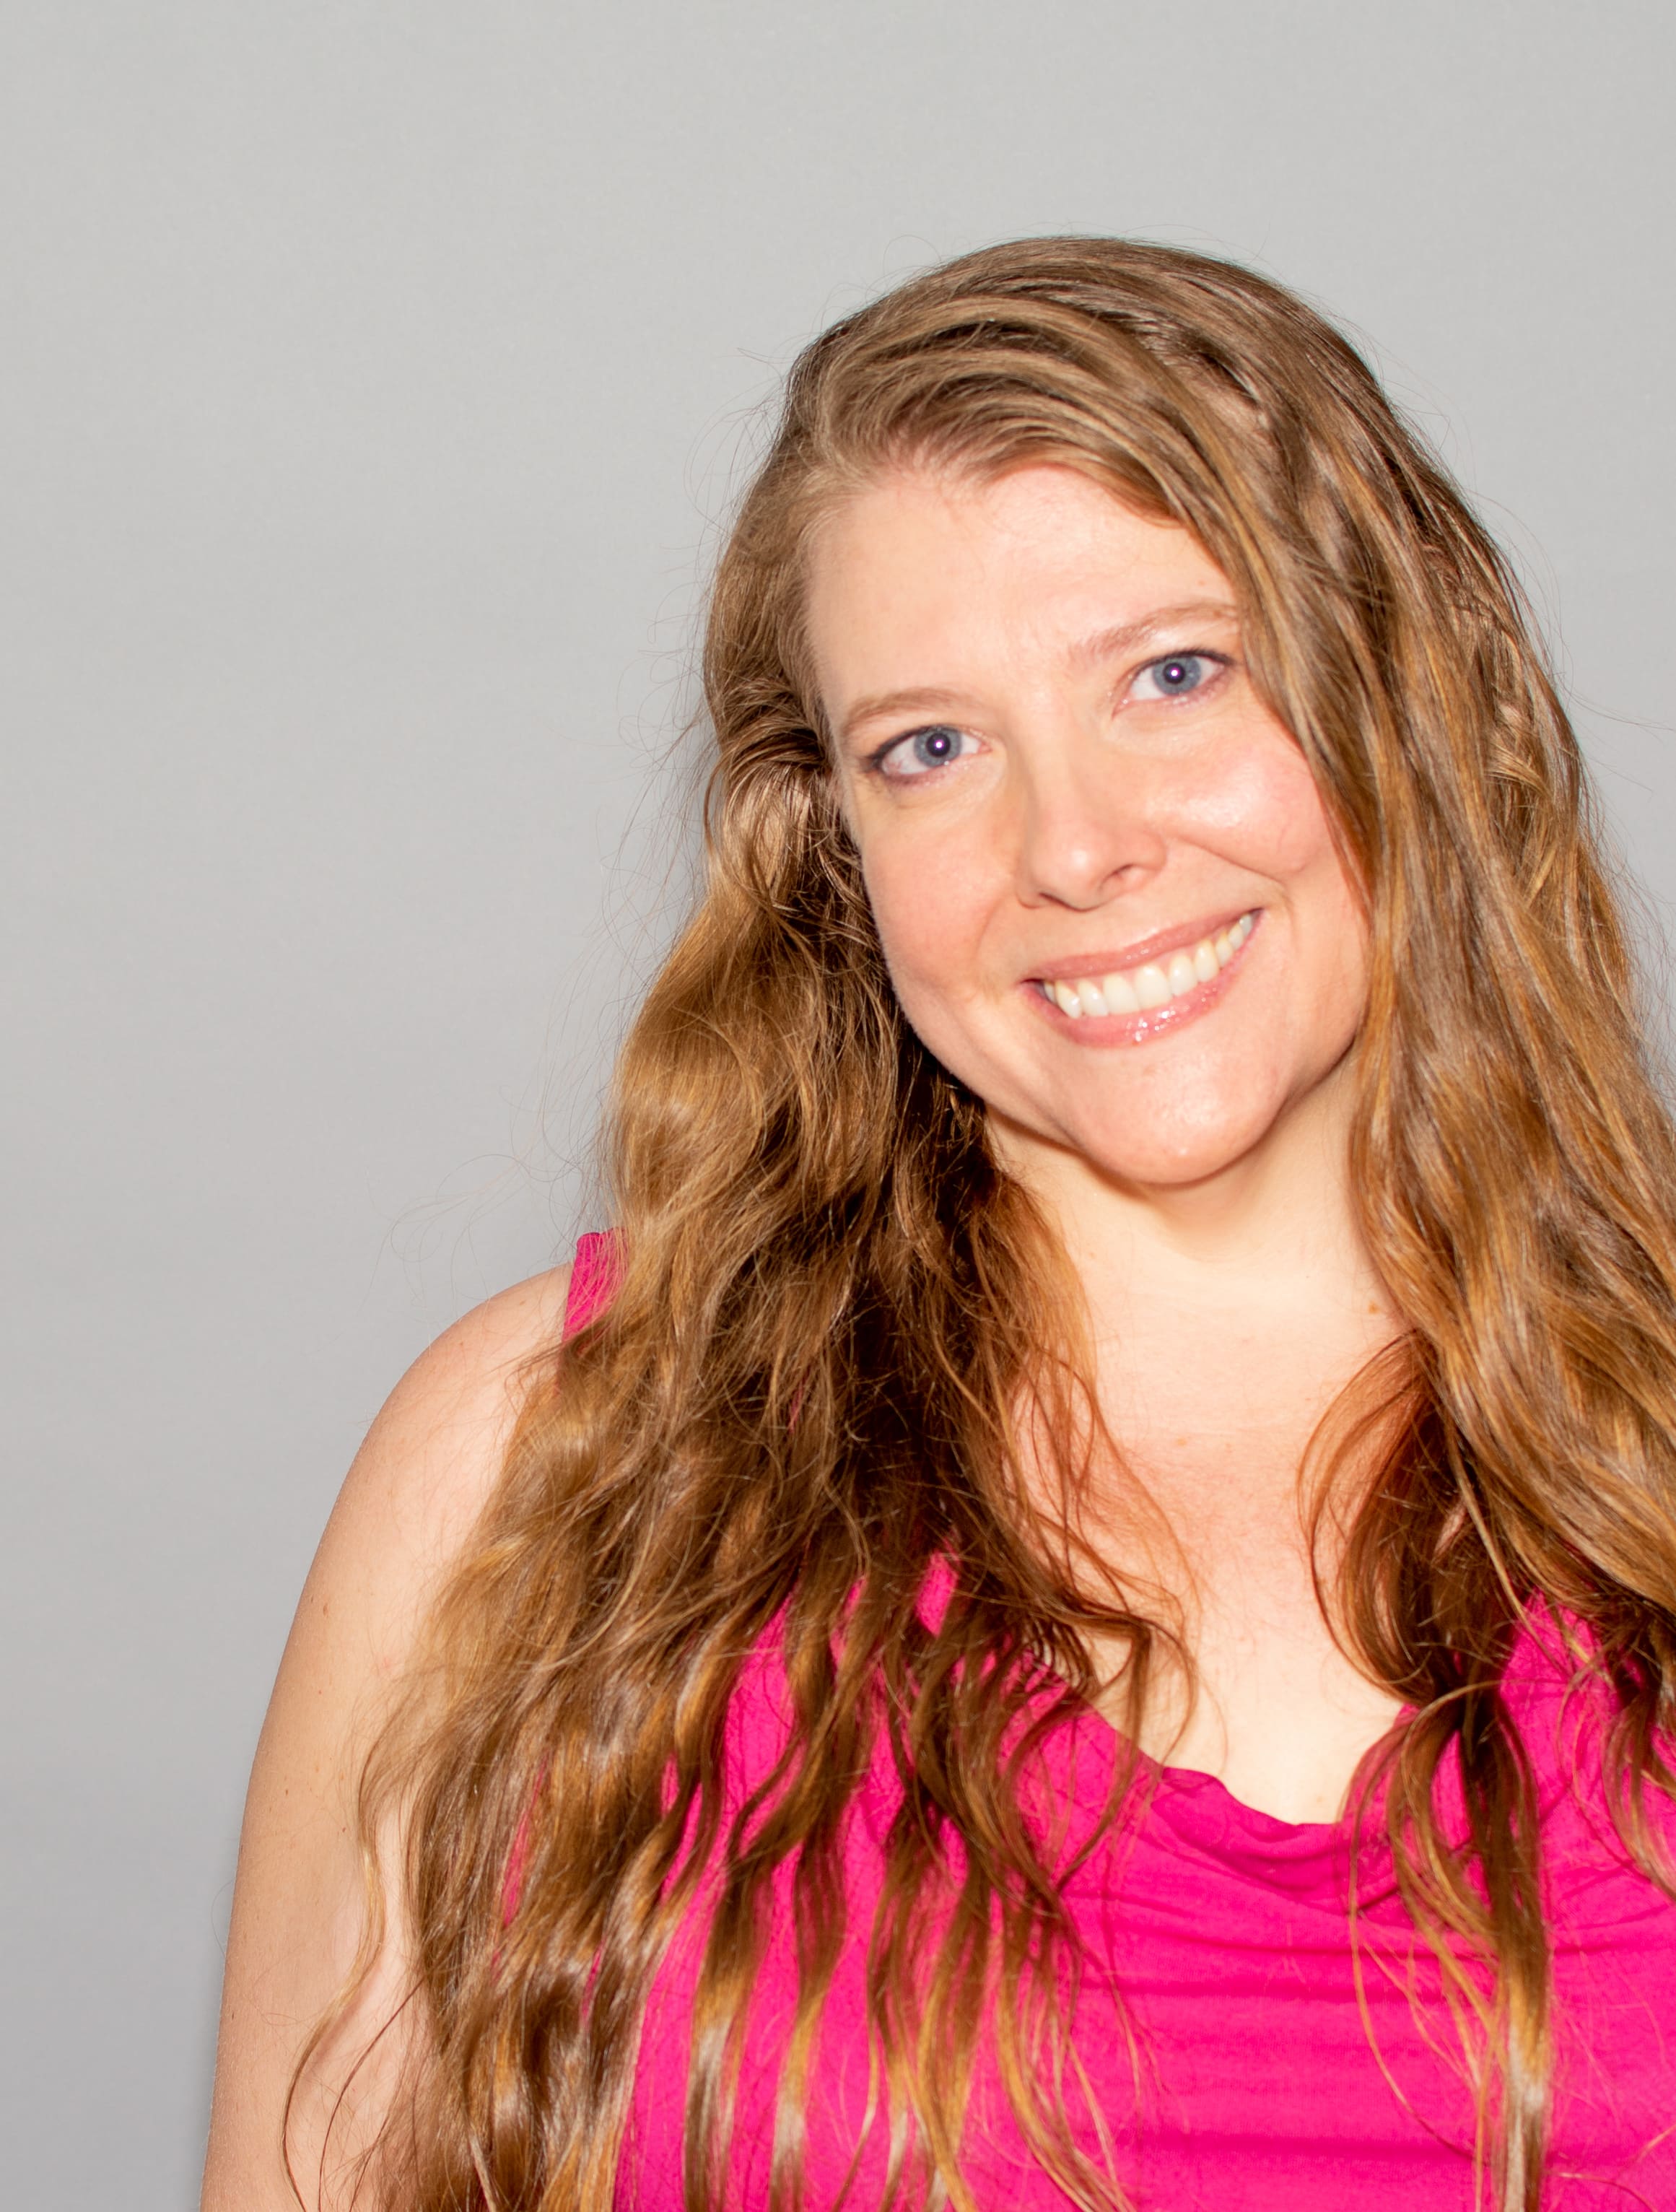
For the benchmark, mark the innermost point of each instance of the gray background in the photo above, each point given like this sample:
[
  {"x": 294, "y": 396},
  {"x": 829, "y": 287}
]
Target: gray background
[{"x": 372, "y": 379}]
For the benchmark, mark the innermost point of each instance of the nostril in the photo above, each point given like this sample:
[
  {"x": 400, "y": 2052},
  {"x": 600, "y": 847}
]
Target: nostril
[{"x": 1078, "y": 855}]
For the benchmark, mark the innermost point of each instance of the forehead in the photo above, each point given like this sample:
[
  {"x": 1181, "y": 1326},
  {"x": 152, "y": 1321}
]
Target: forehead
[{"x": 924, "y": 564}]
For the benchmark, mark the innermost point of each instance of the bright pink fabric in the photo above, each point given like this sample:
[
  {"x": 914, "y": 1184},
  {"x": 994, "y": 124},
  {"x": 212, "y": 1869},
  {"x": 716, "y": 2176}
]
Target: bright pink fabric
[{"x": 1226, "y": 1934}]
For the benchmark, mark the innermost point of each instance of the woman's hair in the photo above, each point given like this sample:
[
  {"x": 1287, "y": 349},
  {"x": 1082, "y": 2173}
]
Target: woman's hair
[{"x": 836, "y": 1315}]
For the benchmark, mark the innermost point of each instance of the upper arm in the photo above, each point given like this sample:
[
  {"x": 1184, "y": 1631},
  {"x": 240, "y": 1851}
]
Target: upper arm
[{"x": 408, "y": 1505}]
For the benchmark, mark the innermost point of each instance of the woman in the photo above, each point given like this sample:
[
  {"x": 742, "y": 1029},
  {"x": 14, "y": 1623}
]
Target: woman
[{"x": 1086, "y": 1612}]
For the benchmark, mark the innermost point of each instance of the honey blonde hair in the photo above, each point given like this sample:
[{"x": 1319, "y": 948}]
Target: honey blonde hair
[{"x": 833, "y": 1305}]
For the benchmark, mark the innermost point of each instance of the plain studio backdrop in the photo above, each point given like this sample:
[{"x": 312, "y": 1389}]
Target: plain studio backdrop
[{"x": 374, "y": 379}]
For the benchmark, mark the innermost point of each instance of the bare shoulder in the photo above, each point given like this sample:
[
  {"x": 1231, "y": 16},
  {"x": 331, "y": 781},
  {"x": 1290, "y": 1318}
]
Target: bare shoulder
[
  {"x": 421, "y": 1479},
  {"x": 409, "y": 1503},
  {"x": 433, "y": 1455}
]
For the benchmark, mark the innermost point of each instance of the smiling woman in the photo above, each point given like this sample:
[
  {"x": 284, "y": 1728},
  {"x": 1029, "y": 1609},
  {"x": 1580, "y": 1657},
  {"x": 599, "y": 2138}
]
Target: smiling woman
[
  {"x": 1050, "y": 867},
  {"x": 1078, "y": 1605}
]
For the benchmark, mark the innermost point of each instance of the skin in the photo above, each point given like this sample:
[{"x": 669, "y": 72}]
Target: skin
[
  {"x": 1196, "y": 1166},
  {"x": 406, "y": 1508}
]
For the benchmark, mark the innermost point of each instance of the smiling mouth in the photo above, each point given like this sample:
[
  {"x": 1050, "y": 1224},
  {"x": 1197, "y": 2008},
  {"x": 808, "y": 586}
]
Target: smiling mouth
[{"x": 1151, "y": 986}]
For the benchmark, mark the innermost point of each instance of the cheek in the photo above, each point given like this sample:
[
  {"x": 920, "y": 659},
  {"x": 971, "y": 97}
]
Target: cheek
[
  {"x": 1265, "y": 812},
  {"x": 1265, "y": 815},
  {"x": 929, "y": 900}
]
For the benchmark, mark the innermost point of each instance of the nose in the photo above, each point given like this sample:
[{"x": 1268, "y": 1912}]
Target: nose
[{"x": 1085, "y": 823}]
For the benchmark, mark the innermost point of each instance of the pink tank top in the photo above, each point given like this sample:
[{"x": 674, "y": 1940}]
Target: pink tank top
[{"x": 1263, "y": 2082}]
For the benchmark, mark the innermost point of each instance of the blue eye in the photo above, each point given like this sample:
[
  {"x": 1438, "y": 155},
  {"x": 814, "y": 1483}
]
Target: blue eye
[
  {"x": 922, "y": 750},
  {"x": 1175, "y": 675}
]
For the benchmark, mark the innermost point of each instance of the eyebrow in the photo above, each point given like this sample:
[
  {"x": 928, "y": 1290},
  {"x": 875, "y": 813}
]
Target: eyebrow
[{"x": 1104, "y": 645}]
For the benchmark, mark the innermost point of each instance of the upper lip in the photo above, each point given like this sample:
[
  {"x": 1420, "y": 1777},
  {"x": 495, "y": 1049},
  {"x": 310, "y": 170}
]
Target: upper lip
[{"x": 1158, "y": 946}]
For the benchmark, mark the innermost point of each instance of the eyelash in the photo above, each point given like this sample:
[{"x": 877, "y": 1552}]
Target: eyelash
[
  {"x": 875, "y": 763},
  {"x": 1218, "y": 662},
  {"x": 877, "y": 759}
]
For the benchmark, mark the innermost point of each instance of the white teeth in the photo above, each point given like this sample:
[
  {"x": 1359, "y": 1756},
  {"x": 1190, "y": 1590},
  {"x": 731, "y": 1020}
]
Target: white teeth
[
  {"x": 1152, "y": 987},
  {"x": 1158, "y": 982}
]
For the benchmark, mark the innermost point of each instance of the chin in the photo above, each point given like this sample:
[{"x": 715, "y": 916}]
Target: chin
[
  {"x": 1161, "y": 1167},
  {"x": 1171, "y": 1152}
]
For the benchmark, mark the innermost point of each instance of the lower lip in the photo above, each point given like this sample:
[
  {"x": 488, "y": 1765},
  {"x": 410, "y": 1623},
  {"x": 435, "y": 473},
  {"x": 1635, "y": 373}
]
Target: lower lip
[{"x": 1097, "y": 1029}]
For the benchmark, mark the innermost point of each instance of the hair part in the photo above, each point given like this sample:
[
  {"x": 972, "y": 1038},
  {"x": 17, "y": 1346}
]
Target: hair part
[{"x": 837, "y": 1314}]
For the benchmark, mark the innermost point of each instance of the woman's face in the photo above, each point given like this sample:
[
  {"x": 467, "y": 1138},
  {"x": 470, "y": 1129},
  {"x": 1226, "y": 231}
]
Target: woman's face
[{"x": 1102, "y": 874}]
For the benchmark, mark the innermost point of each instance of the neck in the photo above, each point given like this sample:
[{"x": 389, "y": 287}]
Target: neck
[
  {"x": 1226, "y": 1316},
  {"x": 1279, "y": 1219}
]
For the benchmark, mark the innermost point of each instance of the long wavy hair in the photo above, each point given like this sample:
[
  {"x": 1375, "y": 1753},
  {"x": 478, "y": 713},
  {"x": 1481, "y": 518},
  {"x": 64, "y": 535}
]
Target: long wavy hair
[{"x": 836, "y": 1316}]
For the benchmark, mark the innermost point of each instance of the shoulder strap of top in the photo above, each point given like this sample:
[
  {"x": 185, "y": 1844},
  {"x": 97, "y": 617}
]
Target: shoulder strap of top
[{"x": 593, "y": 1279}]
